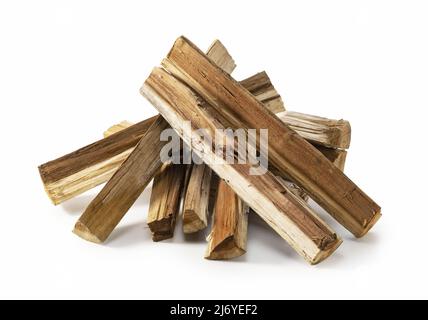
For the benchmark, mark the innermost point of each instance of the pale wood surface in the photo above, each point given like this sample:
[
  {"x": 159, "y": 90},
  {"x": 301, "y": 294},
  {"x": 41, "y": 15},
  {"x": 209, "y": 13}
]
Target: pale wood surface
[
  {"x": 327, "y": 132},
  {"x": 324, "y": 182},
  {"x": 280, "y": 208}
]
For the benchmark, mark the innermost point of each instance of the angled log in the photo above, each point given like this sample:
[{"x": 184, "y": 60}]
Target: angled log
[
  {"x": 110, "y": 205},
  {"x": 324, "y": 182},
  {"x": 165, "y": 198},
  {"x": 228, "y": 236},
  {"x": 282, "y": 210},
  {"x": 83, "y": 169},
  {"x": 196, "y": 199},
  {"x": 122, "y": 190},
  {"x": 319, "y": 130}
]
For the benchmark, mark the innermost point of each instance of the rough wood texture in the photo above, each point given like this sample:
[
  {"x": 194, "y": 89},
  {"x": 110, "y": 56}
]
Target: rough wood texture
[
  {"x": 110, "y": 205},
  {"x": 327, "y": 132},
  {"x": 283, "y": 211},
  {"x": 228, "y": 236},
  {"x": 336, "y": 156},
  {"x": 262, "y": 88},
  {"x": 165, "y": 200},
  {"x": 324, "y": 182},
  {"x": 115, "y": 199},
  {"x": 84, "y": 169},
  {"x": 90, "y": 166},
  {"x": 195, "y": 206}
]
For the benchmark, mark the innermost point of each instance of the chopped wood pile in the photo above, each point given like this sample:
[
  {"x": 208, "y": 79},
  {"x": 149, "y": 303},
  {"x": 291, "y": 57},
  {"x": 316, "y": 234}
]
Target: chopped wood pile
[{"x": 305, "y": 154}]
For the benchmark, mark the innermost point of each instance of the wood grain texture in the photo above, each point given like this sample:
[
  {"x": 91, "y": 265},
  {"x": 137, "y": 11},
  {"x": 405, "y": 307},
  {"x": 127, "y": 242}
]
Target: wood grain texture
[
  {"x": 323, "y": 131},
  {"x": 228, "y": 236},
  {"x": 196, "y": 200},
  {"x": 110, "y": 205},
  {"x": 288, "y": 151},
  {"x": 263, "y": 90},
  {"x": 280, "y": 208},
  {"x": 83, "y": 169},
  {"x": 165, "y": 198}
]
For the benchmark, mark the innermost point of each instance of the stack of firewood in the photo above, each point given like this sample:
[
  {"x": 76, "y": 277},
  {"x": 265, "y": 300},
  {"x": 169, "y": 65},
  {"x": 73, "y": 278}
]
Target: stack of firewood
[{"x": 306, "y": 157}]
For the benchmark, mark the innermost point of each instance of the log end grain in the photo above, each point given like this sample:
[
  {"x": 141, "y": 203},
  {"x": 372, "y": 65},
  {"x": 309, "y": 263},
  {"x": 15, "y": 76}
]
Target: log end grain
[
  {"x": 83, "y": 232},
  {"x": 225, "y": 250}
]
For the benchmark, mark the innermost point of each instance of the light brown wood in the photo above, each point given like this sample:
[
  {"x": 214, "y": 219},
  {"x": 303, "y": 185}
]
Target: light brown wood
[
  {"x": 280, "y": 208},
  {"x": 263, "y": 90},
  {"x": 118, "y": 195},
  {"x": 111, "y": 204},
  {"x": 324, "y": 182},
  {"x": 319, "y": 130},
  {"x": 117, "y": 127},
  {"x": 165, "y": 200},
  {"x": 195, "y": 206},
  {"x": 228, "y": 236},
  {"x": 87, "y": 167}
]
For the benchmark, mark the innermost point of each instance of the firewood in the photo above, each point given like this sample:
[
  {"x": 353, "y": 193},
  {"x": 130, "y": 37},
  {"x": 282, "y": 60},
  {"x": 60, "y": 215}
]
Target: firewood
[
  {"x": 110, "y": 205},
  {"x": 165, "y": 200},
  {"x": 263, "y": 90},
  {"x": 282, "y": 210},
  {"x": 195, "y": 206},
  {"x": 228, "y": 236},
  {"x": 336, "y": 156},
  {"x": 324, "y": 182},
  {"x": 327, "y": 132},
  {"x": 117, "y": 127},
  {"x": 90, "y": 166}
]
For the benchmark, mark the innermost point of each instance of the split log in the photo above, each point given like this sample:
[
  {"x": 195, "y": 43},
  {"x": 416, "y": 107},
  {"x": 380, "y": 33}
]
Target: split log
[
  {"x": 319, "y": 130},
  {"x": 228, "y": 236},
  {"x": 196, "y": 200},
  {"x": 165, "y": 200},
  {"x": 263, "y": 90},
  {"x": 110, "y": 205},
  {"x": 324, "y": 182},
  {"x": 83, "y": 169},
  {"x": 282, "y": 210},
  {"x": 118, "y": 195}
]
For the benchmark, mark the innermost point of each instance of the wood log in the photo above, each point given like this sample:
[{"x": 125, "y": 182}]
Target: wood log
[
  {"x": 92, "y": 165},
  {"x": 165, "y": 198},
  {"x": 196, "y": 200},
  {"x": 319, "y": 130},
  {"x": 83, "y": 169},
  {"x": 324, "y": 182},
  {"x": 263, "y": 90},
  {"x": 282, "y": 210},
  {"x": 110, "y": 205},
  {"x": 228, "y": 236}
]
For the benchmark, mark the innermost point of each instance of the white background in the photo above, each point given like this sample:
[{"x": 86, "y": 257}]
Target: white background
[{"x": 70, "y": 69}]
